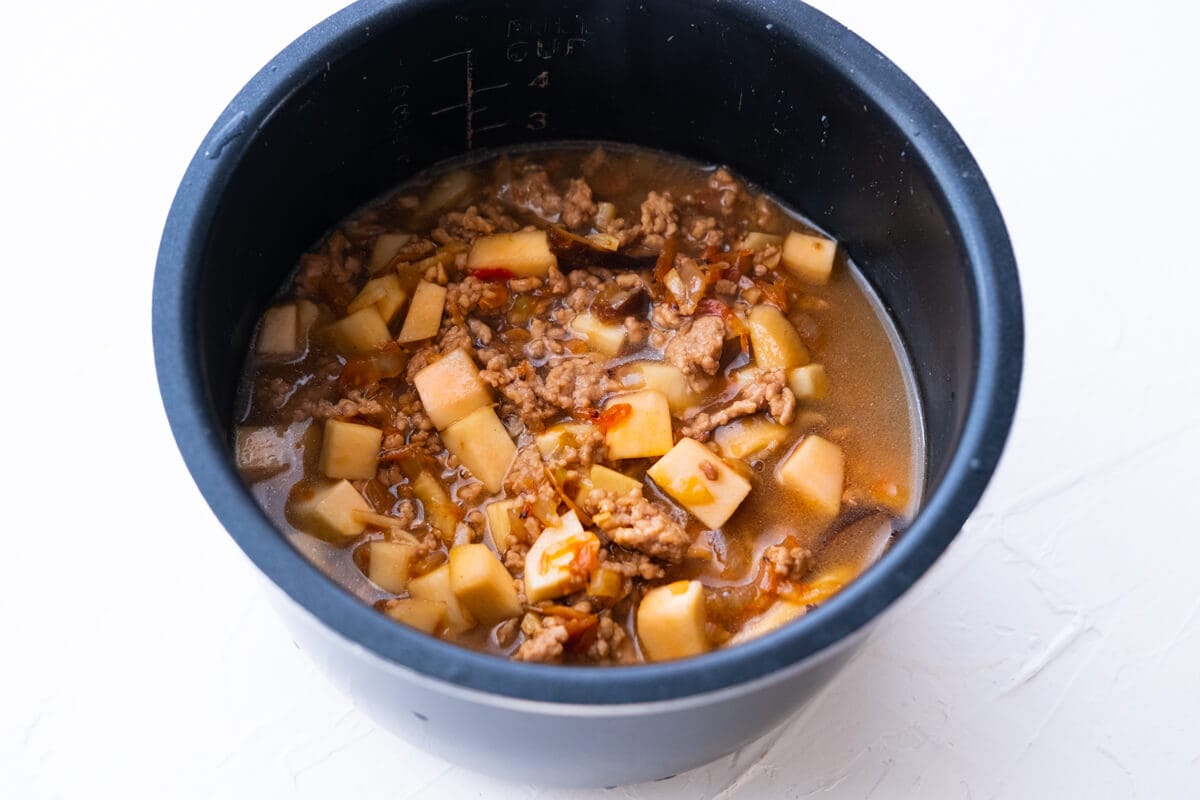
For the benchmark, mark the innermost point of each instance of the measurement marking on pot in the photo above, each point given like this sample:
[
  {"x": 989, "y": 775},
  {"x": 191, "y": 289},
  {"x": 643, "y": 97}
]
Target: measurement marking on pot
[
  {"x": 468, "y": 104},
  {"x": 470, "y": 92},
  {"x": 470, "y": 110}
]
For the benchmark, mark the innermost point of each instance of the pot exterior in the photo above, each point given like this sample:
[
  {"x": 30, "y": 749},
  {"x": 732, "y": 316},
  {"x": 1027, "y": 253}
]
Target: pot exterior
[
  {"x": 776, "y": 90},
  {"x": 557, "y": 743}
]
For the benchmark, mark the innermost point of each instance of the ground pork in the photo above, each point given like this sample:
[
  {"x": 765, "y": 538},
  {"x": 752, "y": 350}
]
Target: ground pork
[
  {"x": 594, "y": 161},
  {"x": 632, "y": 564},
  {"x": 556, "y": 282},
  {"x": 666, "y": 315},
  {"x": 728, "y": 187},
  {"x": 546, "y": 339},
  {"x": 462, "y": 226},
  {"x": 354, "y": 404},
  {"x": 611, "y": 643},
  {"x": 617, "y": 227},
  {"x": 514, "y": 556},
  {"x": 405, "y": 514},
  {"x": 480, "y": 332},
  {"x": 500, "y": 221},
  {"x": 532, "y": 191},
  {"x": 767, "y": 391},
  {"x": 416, "y": 250},
  {"x": 577, "y": 454},
  {"x": 577, "y": 383},
  {"x": 696, "y": 350},
  {"x": 705, "y": 232},
  {"x": 725, "y": 287},
  {"x": 521, "y": 390},
  {"x": 465, "y": 296},
  {"x": 275, "y": 392},
  {"x": 636, "y": 332},
  {"x": 767, "y": 259},
  {"x": 312, "y": 270},
  {"x": 634, "y": 522},
  {"x": 578, "y": 207},
  {"x": 521, "y": 285},
  {"x": 791, "y": 563},
  {"x": 545, "y": 644},
  {"x": 527, "y": 480},
  {"x": 660, "y": 220}
]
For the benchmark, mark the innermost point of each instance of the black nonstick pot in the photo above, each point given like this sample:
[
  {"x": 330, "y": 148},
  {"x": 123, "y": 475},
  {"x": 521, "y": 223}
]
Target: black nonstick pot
[{"x": 777, "y": 90}]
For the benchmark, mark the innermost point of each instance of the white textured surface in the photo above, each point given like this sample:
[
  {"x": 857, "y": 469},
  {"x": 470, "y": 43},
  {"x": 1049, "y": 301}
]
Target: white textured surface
[{"x": 1054, "y": 651}]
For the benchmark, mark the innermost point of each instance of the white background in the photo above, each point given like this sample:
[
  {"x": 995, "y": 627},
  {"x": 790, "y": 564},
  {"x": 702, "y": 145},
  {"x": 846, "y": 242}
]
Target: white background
[{"x": 1054, "y": 651}]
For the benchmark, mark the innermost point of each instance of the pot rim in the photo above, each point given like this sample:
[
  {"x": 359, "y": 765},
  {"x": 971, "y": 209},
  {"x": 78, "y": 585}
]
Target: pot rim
[{"x": 971, "y": 212}]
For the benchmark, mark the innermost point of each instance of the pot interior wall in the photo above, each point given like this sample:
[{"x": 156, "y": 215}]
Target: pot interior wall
[{"x": 431, "y": 84}]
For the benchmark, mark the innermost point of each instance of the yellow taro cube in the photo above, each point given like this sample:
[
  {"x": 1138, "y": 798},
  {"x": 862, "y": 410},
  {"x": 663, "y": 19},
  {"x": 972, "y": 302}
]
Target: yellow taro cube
[
  {"x": 450, "y": 388},
  {"x": 601, "y": 477},
  {"x": 560, "y": 435},
  {"x": 446, "y": 191},
  {"x": 360, "y": 332},
  {"x": 279, "y": 333},
  {"x": 808, "y": 382},
  {"x": 307, "y": 315},
  {"x": 552, "y": 567},
  {"x": 386, "y": 247},
  {"x": 261, "y": 452},
  {"x": 758, "y": 241},
  {"x": 328, "y": 511},
  {"x": 434, "y": 587},
  {"x": 440, "y": 512},
  {"x": 779, "y": 614},
  {"x": 482, "y": 584},
  {"x": 749, "y": 435},
  {"x": 603, "y": 337},
  {"x": 700, "y": 481},
  {"x": 424, "y": 615},
  {"x": 424, "y": 318},
  {"x": 482, "y": 444},
  {"x": 664, "y": 378},
  {"x": 500, "y": 522},
  {"x": 774, "y": 340},
  {"x": 808, "y": 257},
  {"x": 606, "y": 584},
  {"x": 384, "y": 293},
  {"x": 671, "y": 621},
  {"x": 388, "y": 564},
  {"x": 350, "y": 450},
  {"x": 523, "y": 254},
  {"x": 393, "y": 299},
  {"x": 646, "y": 431},
  {"x": 816, "y": 471}
]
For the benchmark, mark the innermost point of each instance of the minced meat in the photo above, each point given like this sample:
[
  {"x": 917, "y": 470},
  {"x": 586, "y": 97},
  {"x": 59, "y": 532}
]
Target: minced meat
[
  {"x": 639, "y": 524},
  {"x": 696, "y": 350},
  {"x": 792, "y": 563},
  {"x": 766, "y": 391}
]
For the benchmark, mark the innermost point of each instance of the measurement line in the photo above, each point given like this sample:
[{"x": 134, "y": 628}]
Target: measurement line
[
  {"x": 483, "y": 89},
  {"x": 449, "y": 56},
  {"x": 470, "y": 103},
  {"x": 447, "y": 108},
  {"x": 492, "y": 127}
]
